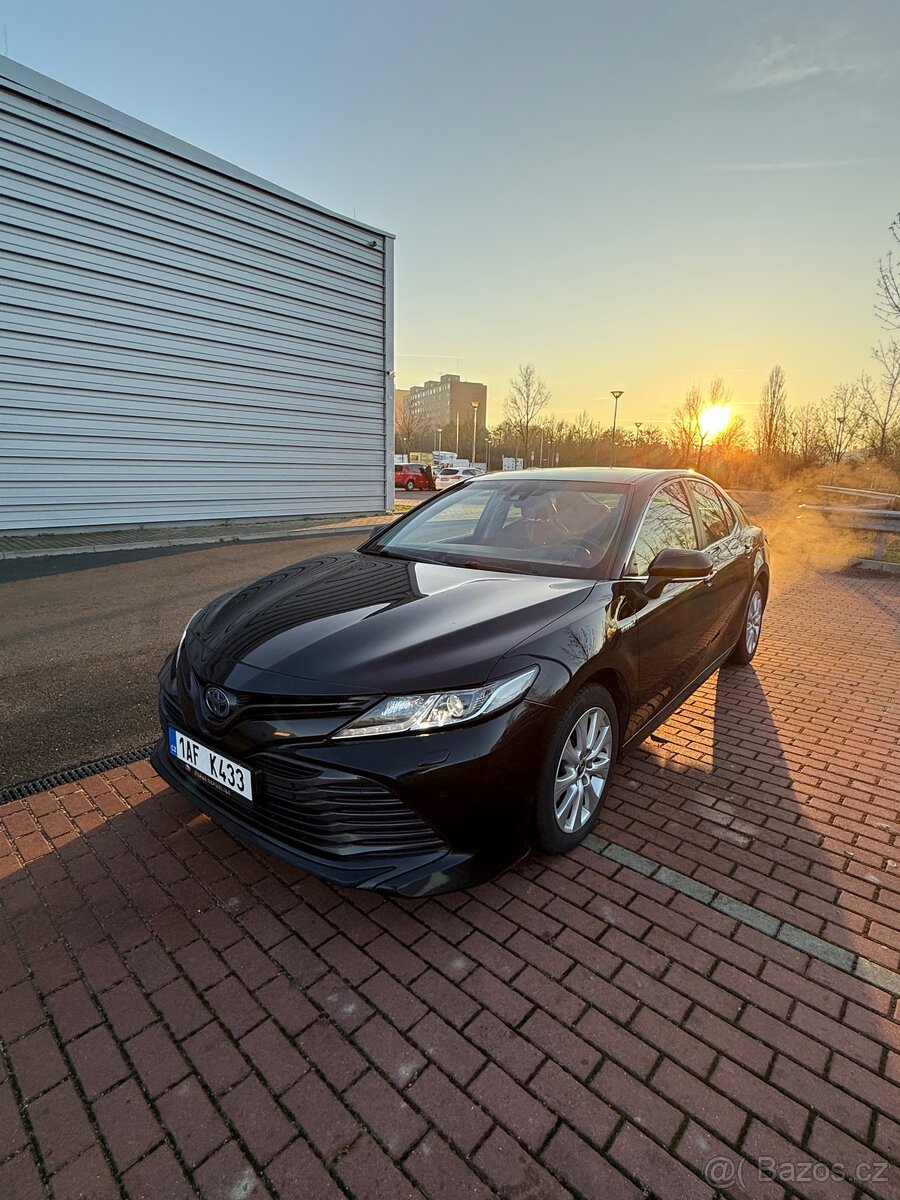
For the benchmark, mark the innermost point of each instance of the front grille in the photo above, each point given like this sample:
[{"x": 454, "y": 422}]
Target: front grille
[
  {"x": 318, "y": 811},
  {"x": 326, "y": 813},
  {"x": 292, "y": 708},
  {"x": 256, "y": 706}
]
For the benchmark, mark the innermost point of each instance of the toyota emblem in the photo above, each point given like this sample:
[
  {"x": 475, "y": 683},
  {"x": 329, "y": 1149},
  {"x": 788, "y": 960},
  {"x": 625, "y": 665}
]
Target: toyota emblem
[{"x": 218, "y": 702}]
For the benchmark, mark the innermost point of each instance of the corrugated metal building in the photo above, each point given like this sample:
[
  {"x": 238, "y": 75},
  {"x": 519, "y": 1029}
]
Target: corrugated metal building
[{"x": 179, "y": 340}]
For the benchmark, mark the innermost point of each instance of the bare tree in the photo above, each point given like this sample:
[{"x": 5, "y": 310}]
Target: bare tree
[
  {"x": 888, "y": 285},
  {"x": 528, "y": 397},
  {"x": 881, "y": 399},
  {"x": 651, "y": 448},
  {"x": 771, "y": 416},
  {"x": 718, "y": 393},
  {"x": 684, "y": 428},
  {"x": 805, "y": 435},
  {"x": 554, "y": 434},
  {"x": 409, "y": 428},
  {"x": 840, "y": 421},
  {"x": 733, "y": 438},
  {"x": 583, "y": 436}
]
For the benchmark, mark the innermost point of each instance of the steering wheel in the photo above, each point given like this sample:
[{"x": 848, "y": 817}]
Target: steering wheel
[{"x": 589, "y": 547}]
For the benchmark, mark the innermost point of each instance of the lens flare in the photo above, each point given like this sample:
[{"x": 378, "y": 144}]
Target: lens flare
[{"x": 714, "y": 420}]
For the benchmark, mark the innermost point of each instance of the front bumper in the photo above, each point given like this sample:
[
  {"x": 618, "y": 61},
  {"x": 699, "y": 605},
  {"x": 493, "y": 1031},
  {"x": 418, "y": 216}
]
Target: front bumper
[{"x": 416, "y": 814}]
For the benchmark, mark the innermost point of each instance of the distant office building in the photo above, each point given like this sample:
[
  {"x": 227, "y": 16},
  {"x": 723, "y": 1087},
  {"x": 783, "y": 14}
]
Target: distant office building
[{"x": 444, "y": 409}]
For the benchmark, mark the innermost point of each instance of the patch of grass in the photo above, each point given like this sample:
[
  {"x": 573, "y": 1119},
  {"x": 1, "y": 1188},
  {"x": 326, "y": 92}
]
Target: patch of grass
[{"x": 866, "y": 543}]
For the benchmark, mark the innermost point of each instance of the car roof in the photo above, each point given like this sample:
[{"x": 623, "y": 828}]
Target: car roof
[
  {"x": 643, "y": 480},
  {"x": 597, "y": 474}
]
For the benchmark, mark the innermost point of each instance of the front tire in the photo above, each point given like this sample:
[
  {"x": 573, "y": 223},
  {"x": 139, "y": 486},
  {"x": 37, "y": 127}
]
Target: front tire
[
  {"x": 577, "y": 771},
  {"x": 751, "y": 630},
  {"x": 410, "y": 486}
]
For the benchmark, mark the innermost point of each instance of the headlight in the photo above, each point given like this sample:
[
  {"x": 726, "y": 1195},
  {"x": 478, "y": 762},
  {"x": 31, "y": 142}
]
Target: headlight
[{"x": 436, "y": 710}]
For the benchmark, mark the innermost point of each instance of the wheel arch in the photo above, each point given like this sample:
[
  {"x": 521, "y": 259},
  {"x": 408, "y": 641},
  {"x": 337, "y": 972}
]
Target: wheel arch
[
  {"x": 763, "y": 578},
  {"x": 614, "y": 682}
]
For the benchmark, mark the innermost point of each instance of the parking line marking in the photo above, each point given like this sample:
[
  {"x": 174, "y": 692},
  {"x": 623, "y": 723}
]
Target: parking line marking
[{"x": 835, "y": 955}]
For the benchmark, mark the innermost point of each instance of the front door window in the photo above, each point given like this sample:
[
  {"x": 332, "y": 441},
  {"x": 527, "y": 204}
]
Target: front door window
[{"x": 667, "y": 525}]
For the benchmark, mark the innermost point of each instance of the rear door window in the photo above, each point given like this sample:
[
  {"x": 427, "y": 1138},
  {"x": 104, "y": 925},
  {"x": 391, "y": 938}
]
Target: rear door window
[{"x": 716, "y": 521}]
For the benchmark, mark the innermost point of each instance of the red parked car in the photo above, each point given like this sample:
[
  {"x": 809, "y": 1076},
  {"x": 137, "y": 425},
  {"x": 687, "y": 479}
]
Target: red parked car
[{"x": 412, "y": 476}]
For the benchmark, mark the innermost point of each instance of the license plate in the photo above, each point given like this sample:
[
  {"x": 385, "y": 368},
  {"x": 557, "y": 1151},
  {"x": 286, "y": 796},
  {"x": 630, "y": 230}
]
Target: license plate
[{"x": 230, "y": 775}]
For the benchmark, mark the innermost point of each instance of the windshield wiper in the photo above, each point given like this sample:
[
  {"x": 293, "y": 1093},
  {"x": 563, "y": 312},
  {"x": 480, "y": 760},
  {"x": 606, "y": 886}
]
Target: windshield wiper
[
  {"x": 475, "y": 564},
  {"x": 383, "y": 552}
]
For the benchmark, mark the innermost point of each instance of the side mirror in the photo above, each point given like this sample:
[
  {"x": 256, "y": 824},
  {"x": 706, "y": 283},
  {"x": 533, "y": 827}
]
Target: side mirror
[{"x": 673, "y": 565}]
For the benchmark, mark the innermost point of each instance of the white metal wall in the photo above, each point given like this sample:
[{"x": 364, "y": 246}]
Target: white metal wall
[{"x": 179, "y": 341}]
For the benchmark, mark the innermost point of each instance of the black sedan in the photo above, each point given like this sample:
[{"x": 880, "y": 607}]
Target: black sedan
[{"x": 416, "y": 714}]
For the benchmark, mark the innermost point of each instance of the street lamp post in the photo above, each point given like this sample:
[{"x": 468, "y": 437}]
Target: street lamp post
[
  {"x": 487, "y": 449},
  {"x": 838, "y": 445},
  {"x": 637, "y": 436},
  {"x": 475, "y": 407},
  {"x": 439, "y": 430},
  {"x": 612, "y": 454}
]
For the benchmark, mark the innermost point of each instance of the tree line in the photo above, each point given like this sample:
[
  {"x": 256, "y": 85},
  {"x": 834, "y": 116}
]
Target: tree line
[{"x": 858, "y": 421}]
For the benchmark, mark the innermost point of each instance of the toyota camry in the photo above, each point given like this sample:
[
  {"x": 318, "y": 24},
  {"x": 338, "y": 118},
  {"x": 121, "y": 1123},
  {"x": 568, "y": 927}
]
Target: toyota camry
[{"x": 417, "y": 714}]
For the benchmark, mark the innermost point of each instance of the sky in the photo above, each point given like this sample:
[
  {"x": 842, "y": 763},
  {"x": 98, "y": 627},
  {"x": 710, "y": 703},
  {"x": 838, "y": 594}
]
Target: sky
[{"x": 629, "y": 195}]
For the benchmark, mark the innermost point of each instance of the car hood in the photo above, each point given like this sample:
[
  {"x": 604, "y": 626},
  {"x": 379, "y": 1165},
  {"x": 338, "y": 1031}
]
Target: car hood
[{"x": 374, "y": 624}]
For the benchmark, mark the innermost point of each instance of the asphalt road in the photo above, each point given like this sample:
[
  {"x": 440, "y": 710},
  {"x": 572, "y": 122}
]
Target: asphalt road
[{"x": 83, "y": 636}]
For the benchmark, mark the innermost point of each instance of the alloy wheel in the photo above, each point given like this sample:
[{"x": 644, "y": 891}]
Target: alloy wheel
[
  {"x": 754, "y": 622},
  {"x": 582, "y": 771}
]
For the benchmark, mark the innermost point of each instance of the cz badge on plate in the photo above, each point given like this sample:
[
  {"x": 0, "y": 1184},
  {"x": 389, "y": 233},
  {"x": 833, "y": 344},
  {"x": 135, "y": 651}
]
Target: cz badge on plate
[{"x": 232, "y": 776}]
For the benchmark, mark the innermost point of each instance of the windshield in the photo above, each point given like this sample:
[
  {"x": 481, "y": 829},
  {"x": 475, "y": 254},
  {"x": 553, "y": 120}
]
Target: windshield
[{"x": 546, "y": 527}]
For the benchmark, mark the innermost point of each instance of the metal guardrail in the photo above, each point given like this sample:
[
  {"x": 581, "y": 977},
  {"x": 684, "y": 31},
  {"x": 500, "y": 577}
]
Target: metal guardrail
[
  {"x": 880, "y": 521},
  {"x": 862, "y": 494}
]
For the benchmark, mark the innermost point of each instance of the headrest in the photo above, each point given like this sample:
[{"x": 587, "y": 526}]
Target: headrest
[
  {"x": 580, "y": 514},
  {"x": 538, "y": 507}
]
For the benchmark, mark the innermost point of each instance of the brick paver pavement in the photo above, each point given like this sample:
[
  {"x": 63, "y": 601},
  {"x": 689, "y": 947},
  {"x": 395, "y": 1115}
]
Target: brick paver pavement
[{"x": 712, "y": 984}]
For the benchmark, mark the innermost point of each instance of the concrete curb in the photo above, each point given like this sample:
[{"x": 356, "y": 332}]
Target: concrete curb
[
  {"x": 877, "y": 566},
  {"x": 162, "y": 543}
]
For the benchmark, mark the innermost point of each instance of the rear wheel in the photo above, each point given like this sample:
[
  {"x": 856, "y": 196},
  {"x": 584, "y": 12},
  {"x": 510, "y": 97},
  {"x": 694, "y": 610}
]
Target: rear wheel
[
  {"x": 410, "y": 486},
  {"x": 751, "y": 630},
  {"x": 577, "y": 771}
]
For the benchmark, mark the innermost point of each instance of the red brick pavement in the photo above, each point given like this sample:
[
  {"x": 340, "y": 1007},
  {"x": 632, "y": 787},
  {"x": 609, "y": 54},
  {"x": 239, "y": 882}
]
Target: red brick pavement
[{"x": 183, "y": 1016}]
